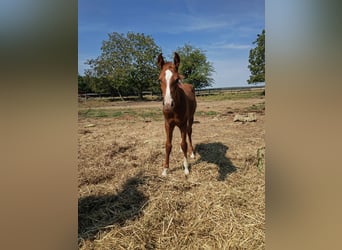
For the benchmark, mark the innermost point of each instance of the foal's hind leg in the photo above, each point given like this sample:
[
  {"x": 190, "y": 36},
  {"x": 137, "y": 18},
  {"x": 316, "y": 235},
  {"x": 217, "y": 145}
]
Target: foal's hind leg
[
  {"x": 184, "y": 147},
  {"x": 189, "y": 131}
]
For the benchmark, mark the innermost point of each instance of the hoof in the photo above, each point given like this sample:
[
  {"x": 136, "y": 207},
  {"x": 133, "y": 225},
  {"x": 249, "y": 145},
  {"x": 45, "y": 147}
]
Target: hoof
[{"x": 186, "y": 171}]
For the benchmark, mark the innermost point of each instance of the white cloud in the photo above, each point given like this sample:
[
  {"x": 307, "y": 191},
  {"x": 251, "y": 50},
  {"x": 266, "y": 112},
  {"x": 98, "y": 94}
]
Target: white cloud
[
  {"x": 191, "y": 23},
  {"x": 230, "y": 73},
  {"x": 198, "y": 24},
  {"x": 230, "y": 46}
]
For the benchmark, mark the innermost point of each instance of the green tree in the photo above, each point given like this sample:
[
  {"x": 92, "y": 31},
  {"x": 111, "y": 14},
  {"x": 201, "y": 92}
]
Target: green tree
[
  {"x": 127, "y": 62},
  {"x": 83, "y": 84},
  {"x": 257, "y": 60},
  {"x": 194, "y": 67},
  {"x": 100, "y": 85}
]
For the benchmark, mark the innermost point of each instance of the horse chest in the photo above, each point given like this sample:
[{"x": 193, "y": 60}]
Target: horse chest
[{"x": 177, "y": 116}]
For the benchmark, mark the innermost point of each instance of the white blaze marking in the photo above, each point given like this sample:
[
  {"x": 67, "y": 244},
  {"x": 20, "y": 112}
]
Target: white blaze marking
[
  {"x": 186, "y": 165},
  {"x": 168, "y": 98}
]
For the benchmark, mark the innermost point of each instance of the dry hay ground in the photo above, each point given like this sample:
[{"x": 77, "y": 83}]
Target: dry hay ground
[{"x": 124, "y": 203}]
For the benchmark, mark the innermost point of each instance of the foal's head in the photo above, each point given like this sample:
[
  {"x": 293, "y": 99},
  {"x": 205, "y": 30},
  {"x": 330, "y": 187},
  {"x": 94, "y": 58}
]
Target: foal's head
[{"x": 169, "y": 80}]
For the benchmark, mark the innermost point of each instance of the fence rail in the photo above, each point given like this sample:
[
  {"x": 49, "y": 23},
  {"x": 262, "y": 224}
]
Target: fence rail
[
  {"x": 199, "y": 92},
  {"x": 210, "y": 91}
]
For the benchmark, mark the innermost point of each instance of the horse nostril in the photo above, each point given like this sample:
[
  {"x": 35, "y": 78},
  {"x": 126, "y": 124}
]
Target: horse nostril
[
  {"x": 163, "y": 103},
  {"x": 172, "y": 104}
]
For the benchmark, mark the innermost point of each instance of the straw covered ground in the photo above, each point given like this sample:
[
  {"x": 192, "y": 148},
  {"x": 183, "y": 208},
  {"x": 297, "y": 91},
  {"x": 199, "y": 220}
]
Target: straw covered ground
[{"x": 125, "y": 203}]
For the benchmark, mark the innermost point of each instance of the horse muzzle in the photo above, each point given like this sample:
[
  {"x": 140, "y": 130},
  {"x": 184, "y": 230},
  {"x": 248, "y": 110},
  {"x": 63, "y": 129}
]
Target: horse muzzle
[{"x": 168, "y": 106}]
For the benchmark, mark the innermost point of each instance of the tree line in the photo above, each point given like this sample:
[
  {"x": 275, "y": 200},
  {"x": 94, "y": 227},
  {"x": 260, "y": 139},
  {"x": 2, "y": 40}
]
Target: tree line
[{"x": 127, "y": 66}]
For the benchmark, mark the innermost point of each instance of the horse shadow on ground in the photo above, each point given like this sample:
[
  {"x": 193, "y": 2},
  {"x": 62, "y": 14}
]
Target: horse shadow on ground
[
  {"x": 96, "y": 212},
  {"x": 215, "y": 153}
]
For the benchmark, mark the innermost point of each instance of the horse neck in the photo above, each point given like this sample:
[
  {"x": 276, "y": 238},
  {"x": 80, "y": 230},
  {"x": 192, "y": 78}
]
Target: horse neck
[{"x": 179, "y": 97}]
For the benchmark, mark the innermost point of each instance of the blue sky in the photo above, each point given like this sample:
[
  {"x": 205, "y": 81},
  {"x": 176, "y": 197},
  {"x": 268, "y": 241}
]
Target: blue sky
[{"x": 224, "y": 29}]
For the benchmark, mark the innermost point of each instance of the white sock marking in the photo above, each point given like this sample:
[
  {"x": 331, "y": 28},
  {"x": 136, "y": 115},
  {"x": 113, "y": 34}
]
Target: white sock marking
[
  {"x": 192, "y": 155},
  {"x": 164, "y": 172},
  {"x": 186, "y": 166}
]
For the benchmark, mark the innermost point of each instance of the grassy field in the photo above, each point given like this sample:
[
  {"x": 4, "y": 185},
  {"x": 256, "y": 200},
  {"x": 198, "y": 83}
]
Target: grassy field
[{"x": 124, "y": 203}]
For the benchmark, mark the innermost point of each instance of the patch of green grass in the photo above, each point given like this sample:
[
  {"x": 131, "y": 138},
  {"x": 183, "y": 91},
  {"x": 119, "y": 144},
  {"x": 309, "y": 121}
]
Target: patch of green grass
[
  {"x": 153, "y": 114},
  {"x": 207, "y": 113},
  {"x": 101, "y": 113},
  {"x": 260, "y": 107},
  {"x": 232, "y": 96}
]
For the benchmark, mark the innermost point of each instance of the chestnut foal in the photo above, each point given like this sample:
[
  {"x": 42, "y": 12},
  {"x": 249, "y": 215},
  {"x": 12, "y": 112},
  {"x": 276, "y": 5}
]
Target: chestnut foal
[{"x": 179, "y": 105}]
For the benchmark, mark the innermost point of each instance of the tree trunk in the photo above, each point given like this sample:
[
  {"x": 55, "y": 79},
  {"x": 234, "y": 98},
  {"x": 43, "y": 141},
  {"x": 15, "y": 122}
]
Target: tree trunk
[
  {"x": 140, "y": 95},
  {"x": 121, "y": 98}
]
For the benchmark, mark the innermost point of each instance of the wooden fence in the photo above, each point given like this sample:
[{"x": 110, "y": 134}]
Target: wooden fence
[{"x": 199, "y": 92}]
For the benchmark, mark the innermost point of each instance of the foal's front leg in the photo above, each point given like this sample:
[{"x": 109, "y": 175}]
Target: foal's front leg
[{"x": 168, "y": 146}]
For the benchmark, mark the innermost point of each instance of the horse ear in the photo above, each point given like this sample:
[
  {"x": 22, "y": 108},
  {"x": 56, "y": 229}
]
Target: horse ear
[
  {"x": 160, "y": 60},
  {"x": 176, "y": 60}
]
